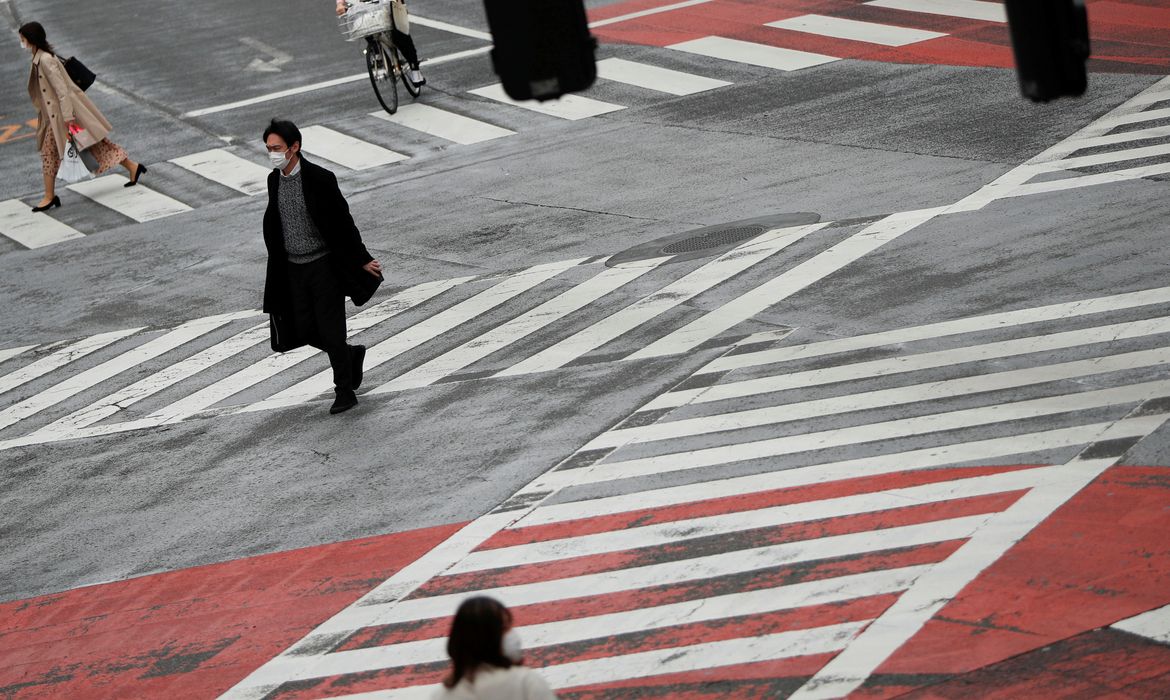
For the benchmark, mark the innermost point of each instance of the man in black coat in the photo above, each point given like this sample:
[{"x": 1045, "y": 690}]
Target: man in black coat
[{"x": 315, "y": 259}]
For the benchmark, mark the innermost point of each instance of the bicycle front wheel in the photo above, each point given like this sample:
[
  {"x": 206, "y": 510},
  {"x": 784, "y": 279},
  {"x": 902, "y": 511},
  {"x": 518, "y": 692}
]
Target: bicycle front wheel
[{"x": 382, "y": 75}]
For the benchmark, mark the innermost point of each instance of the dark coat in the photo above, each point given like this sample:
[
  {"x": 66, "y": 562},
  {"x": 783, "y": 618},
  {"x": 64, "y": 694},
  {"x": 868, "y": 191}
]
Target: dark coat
[{"x": 330, "y": 213}]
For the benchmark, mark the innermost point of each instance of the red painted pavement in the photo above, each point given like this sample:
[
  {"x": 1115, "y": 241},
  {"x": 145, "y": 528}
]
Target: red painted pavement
[
  {"x": 192, "y": 633},
  {"x": 1127, "y": 37}
]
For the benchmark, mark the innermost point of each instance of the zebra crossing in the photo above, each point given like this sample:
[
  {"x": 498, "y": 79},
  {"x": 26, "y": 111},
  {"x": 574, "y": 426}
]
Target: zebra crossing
[{"x": 777, "y": 510}]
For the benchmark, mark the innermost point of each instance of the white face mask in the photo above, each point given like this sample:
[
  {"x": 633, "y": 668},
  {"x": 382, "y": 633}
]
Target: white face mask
[
  {"x": 511, "y": 647},
  {"x": 278, "y": 159},
  {"x": 23, "y": 44}
]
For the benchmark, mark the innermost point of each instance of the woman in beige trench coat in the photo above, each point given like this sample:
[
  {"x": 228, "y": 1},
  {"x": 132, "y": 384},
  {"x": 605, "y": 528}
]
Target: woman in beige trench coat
[{"x": 60, "y": 105}]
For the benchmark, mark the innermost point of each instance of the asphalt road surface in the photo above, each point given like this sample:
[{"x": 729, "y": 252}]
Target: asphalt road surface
[{"x": 800, "y": 356}]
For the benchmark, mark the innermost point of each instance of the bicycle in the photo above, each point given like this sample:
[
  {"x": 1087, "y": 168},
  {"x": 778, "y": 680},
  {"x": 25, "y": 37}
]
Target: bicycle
[{"x": 384, "y": 61}]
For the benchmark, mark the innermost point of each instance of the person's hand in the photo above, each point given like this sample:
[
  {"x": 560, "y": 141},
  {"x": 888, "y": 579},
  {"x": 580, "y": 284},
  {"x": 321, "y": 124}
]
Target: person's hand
[
  {"x": 73, "y": 126},
  {"x": 342, "y": 8},
  {"x": 373, "y": 267}
]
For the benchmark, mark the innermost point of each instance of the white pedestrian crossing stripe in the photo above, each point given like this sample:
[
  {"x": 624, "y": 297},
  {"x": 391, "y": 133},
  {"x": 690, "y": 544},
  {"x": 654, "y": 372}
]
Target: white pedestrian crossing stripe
[
  {"x": 345, "y": 150},
  {"x": 762, "y": 55},
  {"x": 139, "y": 202},
  {"x": 655, "y": 78},
  {"x": 854, "y": 30},
  {"x": 968, "y": 9},
  {"x": 446, "y": 125},
  {"x": 228, "y": 169},
  {"x": 571, "y": 106},
  {"x": 32, "y": 229}
]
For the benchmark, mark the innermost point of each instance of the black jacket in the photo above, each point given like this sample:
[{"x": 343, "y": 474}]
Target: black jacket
[{"x": 330, "y": 213}]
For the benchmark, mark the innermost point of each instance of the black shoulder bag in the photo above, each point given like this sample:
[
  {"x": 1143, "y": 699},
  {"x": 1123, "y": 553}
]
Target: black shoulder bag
[{"x": 78, "y": 73}]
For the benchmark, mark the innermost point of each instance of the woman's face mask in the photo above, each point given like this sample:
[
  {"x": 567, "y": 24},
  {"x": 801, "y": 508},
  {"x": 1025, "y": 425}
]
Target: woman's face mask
[{"x": 511, "y": 647}]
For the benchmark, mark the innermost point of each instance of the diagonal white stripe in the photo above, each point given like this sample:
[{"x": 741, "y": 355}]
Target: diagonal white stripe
[
  {"x": 643, "y": 75},
  {"x": 893, "y": 463},
  {"x": 968, "y": 9},
  {"x": 569, "y": 106},
  {"x": 9, "y": 353},
  {"x": 727, "y": 523},
  {"x": 915, "y": 363},
  {"x": 228, "y": 169},
  {"x": 60, "y": 358},
  {"x": 874, "y": 432},
  {"x": 346, "y": 150},
  {"x": 444, "y": 124},
  {"x": 697, "y": 281},
  {"x": 881, "y": 398},
  {"x": 32, "y": 229},
  {"x": 139, "y": 202},
  {"x": 522, "y": 326},
  {"x": 762, "y": 55},
  {"x": 113, "y": 367},
  {"x": 854, "y": 30},
  {"x": 427, "y": 330}
]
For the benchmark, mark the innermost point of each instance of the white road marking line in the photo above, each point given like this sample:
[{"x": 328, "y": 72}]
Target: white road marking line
[
  {"x": 681, "y": 659},
  {"x": 1154, "y": 624},
  {"x": 277, "y": 363},
  {"x": 700, "y": 280},
  {"x": 854, "y": 30},
  {"x": 448, "y": 27},
  {"x": 791, "y": 281},
  {"x": 880, "y": 398},
  {"x": 1110, "y": 157},
  {"x": 1112, "y": 121},
  {"x": 139, "y": 202},
  {"x": 642, "y": 75},
  {"x": 570, "y": 106},
  {"x": 967, "y": 9},
  {"x": 313, "y": 87},
  {"x": 9, "y": 353},
  {"x": 1151, "y": 97},
  {"x": 759, "y": 602},
  {"x": 427, "y": 330},
  {"x": 149, "y": 350},
  {"x": 32, "y": 229},
  {"x": 446, "y": 125},
  {"x": 1156, "y": 132},
  {"x": 522, "y": 326},
  {"x": 943, "y": 582},
  {"x": 228, "y": 169},
  {"x": 1070, "y": 183},
  {"x": 894, "y": 463},
  {"x": 172, "y": 374},
  {"x": 668, "y": 573},
  {"x": 902, "y": 364},
  {"x": 646, "y": 13},
  {"x": 60, "y": 358},
  {"x": 680, "y": 531},
  {"x": 969, "y": 324},
  {"x": 754, "y": 54},
  {"x": 856, "y": 435},
  {"x": 345, "y": 150}
]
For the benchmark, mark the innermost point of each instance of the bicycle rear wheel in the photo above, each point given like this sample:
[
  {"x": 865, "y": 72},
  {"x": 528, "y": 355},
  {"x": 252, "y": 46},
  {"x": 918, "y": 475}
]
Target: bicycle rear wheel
[
  {"x": 383, "y": 73},
  {"x": 413, "y": 89}
]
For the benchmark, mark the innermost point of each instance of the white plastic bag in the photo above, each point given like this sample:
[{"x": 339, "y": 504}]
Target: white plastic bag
[
  {"x": 401, "y": 18},
  {"x": 72, "y": 167}
]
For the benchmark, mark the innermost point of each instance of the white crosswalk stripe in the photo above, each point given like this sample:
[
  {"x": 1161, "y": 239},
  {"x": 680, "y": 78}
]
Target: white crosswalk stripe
[
  {"x": 762, "y": 55},
  {"x": 139, "y": 202},
  {"x": 651, "y": 77},
  {"x": 854, "y": 30},
  {"x": 571, "y": 106},
  {"x": 969, "y": 9},
  {"x": 446, "y": 125},
  {"x": 345, "y": 150},
  {"x": 32, "y": 229},
  {"x": 228, "y": 169}
]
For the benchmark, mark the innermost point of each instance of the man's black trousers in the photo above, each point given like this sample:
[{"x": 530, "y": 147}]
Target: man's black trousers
[{"x": 318, "y": 311}]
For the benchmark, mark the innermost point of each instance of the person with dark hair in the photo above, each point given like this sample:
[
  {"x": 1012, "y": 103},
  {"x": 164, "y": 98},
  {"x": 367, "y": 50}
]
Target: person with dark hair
[
  {"x": 402, "y": 38},
  {"x": 315, "y": 258},
  {"x": 487, "y": 658},
  {"x": 63, "y": 109}
]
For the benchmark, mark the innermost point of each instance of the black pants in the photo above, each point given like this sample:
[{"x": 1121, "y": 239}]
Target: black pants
[
  {"x": 405, "y": 44},
  {"x": 318, "y": 312}
]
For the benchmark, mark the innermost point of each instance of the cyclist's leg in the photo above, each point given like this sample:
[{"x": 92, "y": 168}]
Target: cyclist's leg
[{"x": 405, "y": 44}]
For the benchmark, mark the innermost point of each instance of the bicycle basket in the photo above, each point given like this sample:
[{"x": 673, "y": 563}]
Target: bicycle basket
[{"x": 360, "y": 22}]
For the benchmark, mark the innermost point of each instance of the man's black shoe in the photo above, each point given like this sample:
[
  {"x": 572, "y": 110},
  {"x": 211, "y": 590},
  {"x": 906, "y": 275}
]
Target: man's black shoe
[
  {"x": 357, "y": 355},
  {"x": 345, "y": 400}
]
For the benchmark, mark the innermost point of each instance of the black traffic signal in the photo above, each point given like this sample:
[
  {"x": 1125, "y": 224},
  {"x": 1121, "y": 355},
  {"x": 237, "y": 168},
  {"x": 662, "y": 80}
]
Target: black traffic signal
[
  {"x": 1051, "y": 43},
  {"x": 543, "y": 48}
]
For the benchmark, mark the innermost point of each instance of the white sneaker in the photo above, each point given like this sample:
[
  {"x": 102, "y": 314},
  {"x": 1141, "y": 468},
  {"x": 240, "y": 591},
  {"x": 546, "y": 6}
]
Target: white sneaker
[{"x": 416, "y": 77}]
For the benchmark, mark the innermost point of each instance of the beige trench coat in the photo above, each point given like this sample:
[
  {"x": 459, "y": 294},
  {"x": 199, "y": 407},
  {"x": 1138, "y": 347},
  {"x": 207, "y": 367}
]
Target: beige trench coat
[{"x": 58, "y": 101}]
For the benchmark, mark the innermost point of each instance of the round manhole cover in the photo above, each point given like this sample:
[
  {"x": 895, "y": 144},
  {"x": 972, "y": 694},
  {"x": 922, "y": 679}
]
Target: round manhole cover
[{"x": 715, "y": 239}]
